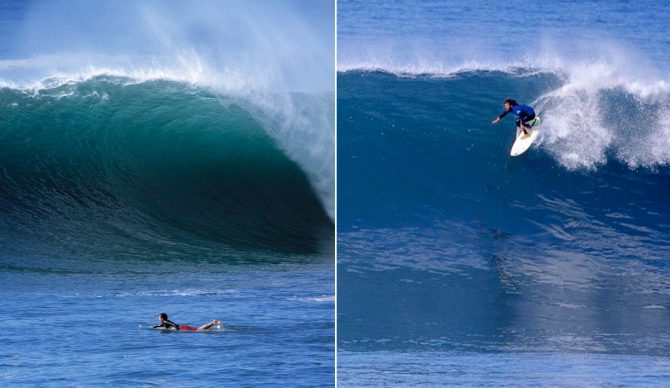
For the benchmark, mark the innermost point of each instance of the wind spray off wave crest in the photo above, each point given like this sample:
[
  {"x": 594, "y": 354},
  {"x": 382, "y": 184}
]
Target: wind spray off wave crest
[
  {"x": 272, "y": 57},
  {"x": 196, "y": 126}
]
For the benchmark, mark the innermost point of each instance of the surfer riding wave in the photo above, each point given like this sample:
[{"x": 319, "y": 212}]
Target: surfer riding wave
[{"x": 524, "y": 115}]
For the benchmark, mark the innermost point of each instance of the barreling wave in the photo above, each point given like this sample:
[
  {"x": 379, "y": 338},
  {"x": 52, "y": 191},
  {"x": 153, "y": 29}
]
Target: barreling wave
[{"x": 114, "y": 165}]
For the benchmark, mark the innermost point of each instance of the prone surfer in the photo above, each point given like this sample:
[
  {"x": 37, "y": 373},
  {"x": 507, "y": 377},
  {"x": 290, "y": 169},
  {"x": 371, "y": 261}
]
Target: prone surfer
[
  {"x": 168, "y": 324},
  {"x": 524, "y": 115}
]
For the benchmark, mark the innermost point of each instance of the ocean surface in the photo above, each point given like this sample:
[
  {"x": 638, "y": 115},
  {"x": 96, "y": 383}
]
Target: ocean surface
[
  {"x": 460, "y": 265},
  {"x": 151, "y": 161}
]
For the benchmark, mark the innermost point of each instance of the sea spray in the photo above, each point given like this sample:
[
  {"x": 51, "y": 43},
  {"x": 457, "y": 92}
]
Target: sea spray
[{"x": 246, "y": 50}]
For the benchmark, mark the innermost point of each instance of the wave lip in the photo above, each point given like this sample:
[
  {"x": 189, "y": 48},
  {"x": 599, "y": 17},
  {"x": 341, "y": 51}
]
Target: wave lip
[
  {"x": 443, "y": 70},
  {"x": 149, "y": 164}
]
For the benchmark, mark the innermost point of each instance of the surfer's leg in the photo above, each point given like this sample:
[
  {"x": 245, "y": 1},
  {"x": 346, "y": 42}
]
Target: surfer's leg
[
  {"x": 520, "y": 127},
  {"x": 208, "y": 325},
  {"x": 528, "y": 124},
  {"x": 188, "y": 328}
]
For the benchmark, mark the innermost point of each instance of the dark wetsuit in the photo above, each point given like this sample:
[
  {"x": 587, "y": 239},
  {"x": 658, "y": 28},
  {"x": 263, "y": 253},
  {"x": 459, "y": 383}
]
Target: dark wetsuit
[
  {"x": 167, "y": 324},
  {"x": 171, "y": 325},
  {"x": 523, "y": 113}
]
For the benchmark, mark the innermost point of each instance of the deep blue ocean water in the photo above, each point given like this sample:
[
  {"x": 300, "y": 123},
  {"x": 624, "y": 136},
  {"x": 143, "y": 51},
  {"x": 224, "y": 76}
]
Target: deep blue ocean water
[
  {"x": 151, "y": 161},
  {"x": 458, "y": 264},
  {"x": 81, "y": 327}
]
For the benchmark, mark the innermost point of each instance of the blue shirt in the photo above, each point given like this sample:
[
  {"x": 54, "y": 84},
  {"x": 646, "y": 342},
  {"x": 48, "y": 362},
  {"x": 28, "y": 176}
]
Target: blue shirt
[{"x": 522, "y": 112}]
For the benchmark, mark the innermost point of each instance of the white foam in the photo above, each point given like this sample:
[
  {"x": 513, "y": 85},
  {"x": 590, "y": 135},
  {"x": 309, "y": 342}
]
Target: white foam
[
  {"x": 588, "y": 118},
  {"x": 319, "y": 299}
]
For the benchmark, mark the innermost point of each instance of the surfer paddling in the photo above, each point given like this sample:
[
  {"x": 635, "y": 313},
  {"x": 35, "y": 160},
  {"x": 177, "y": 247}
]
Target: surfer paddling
[
  {"x": 524, "y": 115},
  {"x": 168, "y": 324}
]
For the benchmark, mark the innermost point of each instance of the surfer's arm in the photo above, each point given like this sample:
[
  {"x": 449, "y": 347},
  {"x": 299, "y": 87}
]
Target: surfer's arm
[
  {"x": 500, "y": 117},
  {"x": 167, "y": 325}
]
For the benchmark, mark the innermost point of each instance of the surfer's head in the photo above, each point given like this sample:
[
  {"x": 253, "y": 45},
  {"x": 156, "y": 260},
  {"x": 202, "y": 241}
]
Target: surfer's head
[
  {"x": 509, "y": 103},
  {"x": 162, "y": 317}
]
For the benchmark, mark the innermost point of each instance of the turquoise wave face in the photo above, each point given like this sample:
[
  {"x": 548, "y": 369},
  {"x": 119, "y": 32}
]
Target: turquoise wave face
[{"x": 107, "y": 168}]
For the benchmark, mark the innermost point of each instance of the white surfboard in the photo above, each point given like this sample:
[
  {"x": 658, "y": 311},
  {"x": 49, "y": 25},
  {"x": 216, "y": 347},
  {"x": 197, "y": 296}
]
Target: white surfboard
[{"x": 523, "y": 142}]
